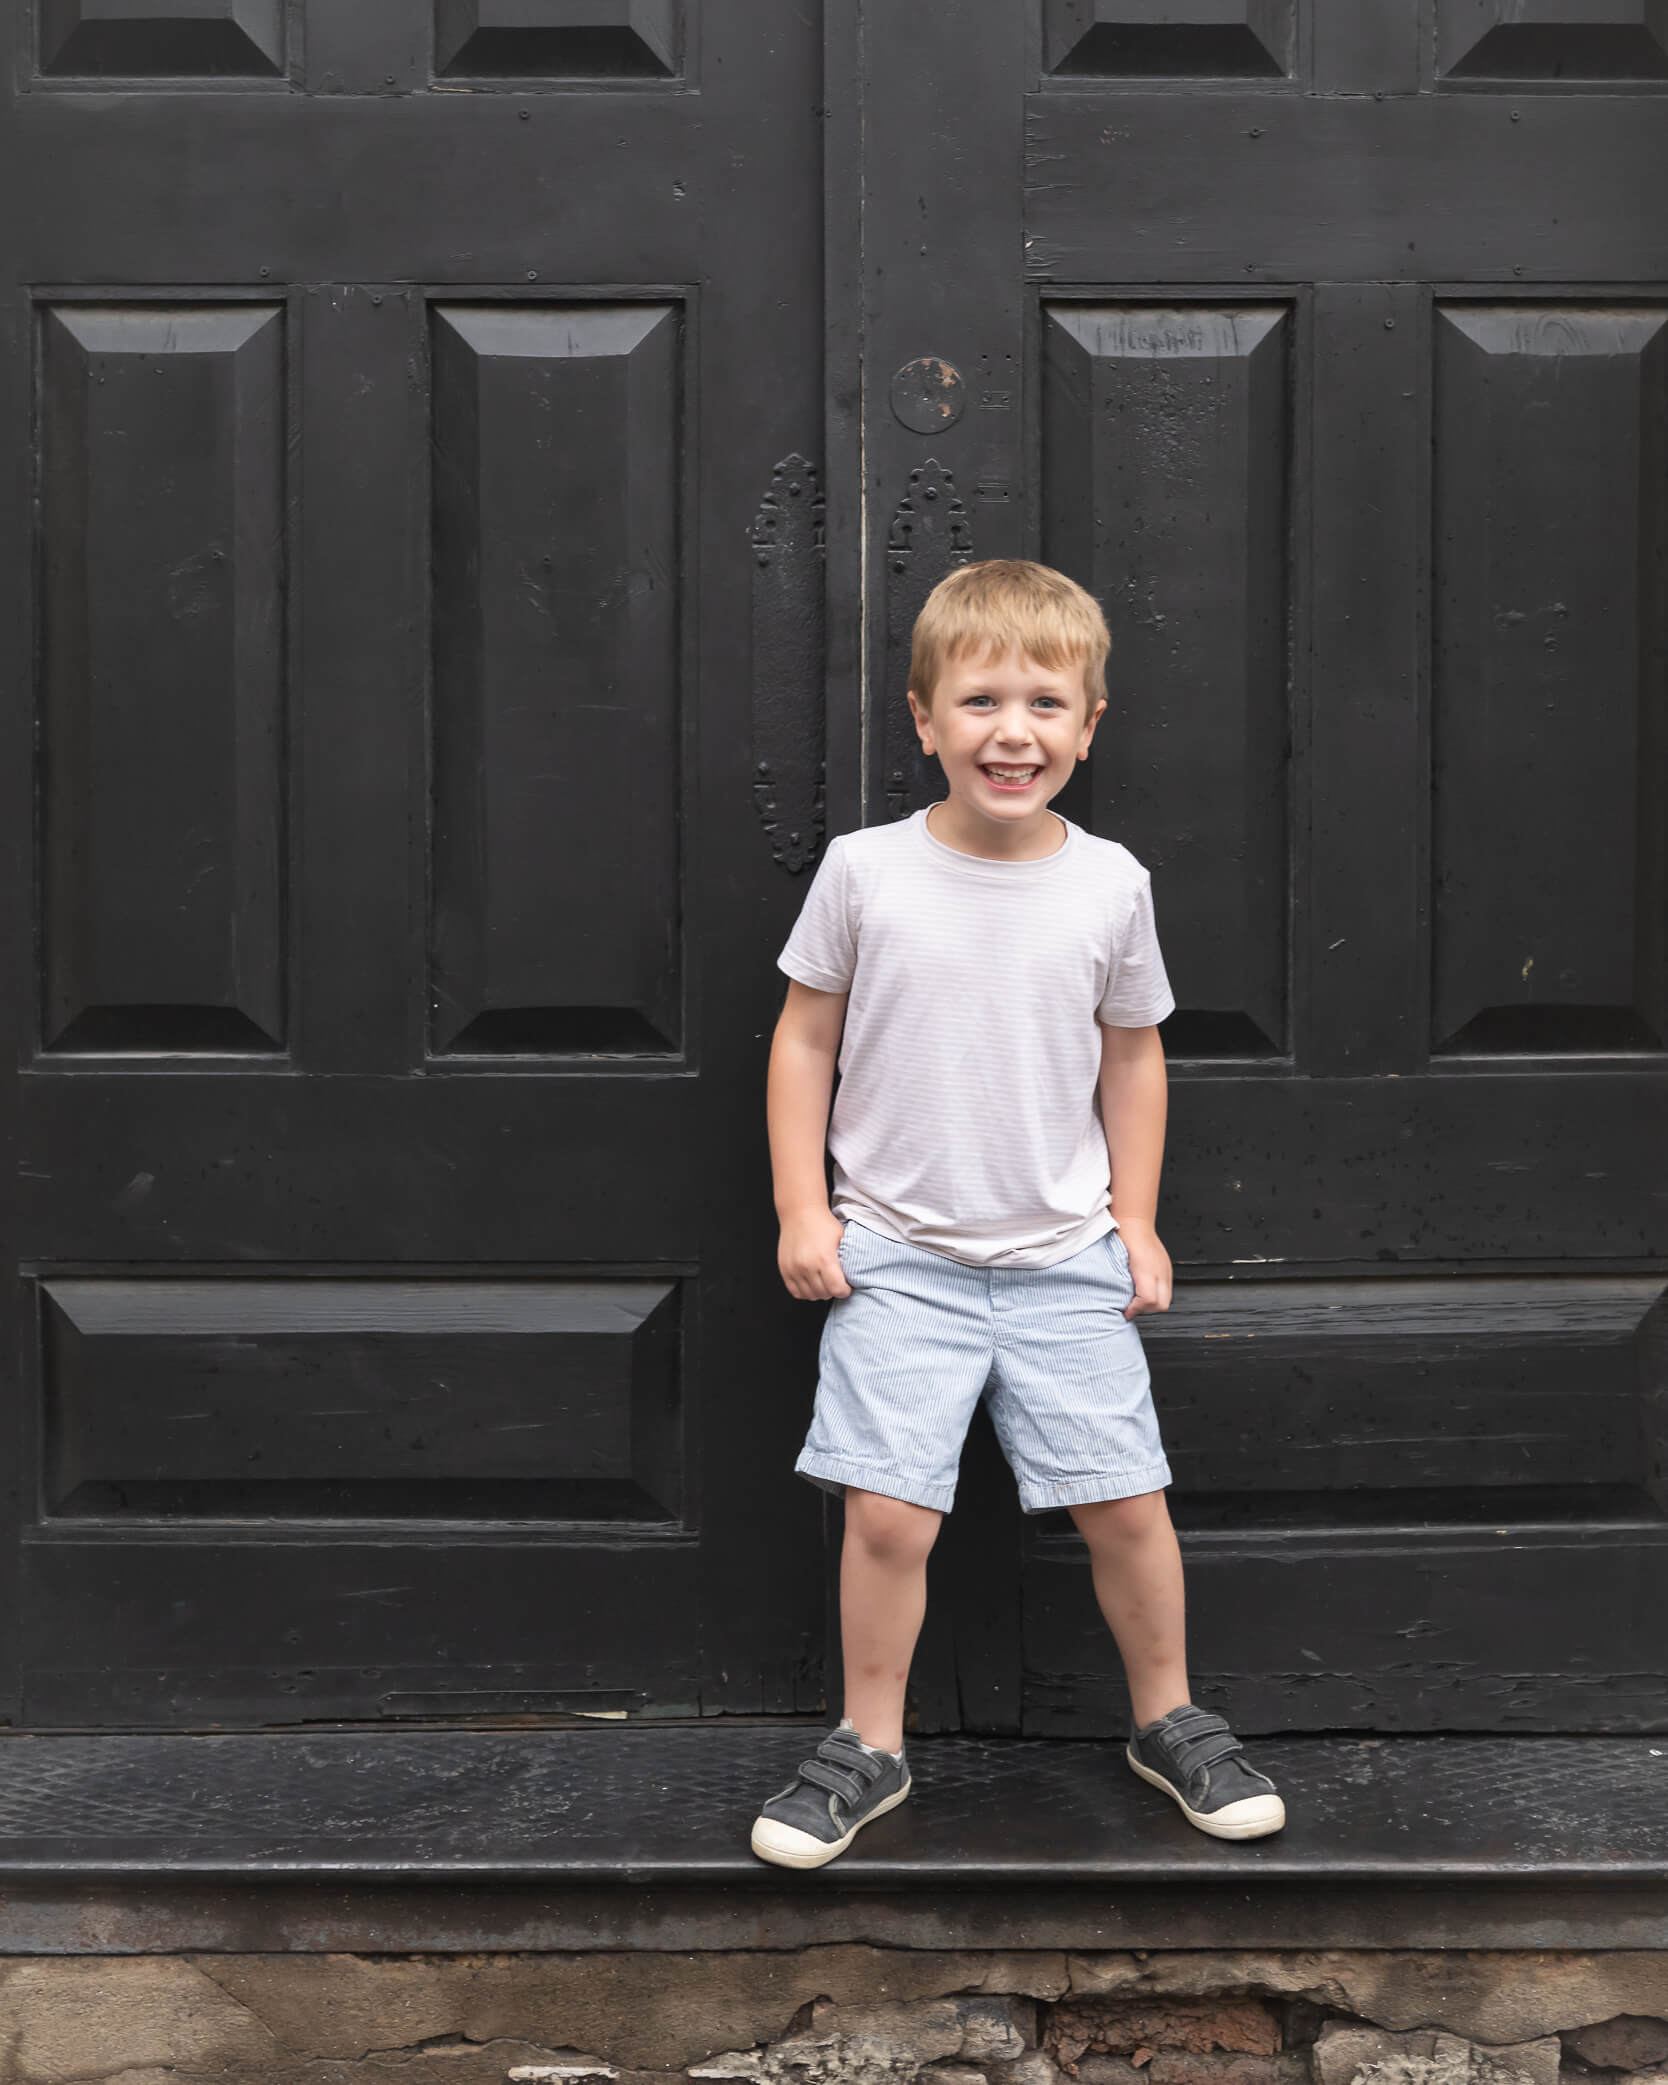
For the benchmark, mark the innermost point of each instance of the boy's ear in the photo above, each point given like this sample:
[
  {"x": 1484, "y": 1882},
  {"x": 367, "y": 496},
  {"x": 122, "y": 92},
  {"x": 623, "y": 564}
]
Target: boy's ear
[
  {"x": 1095, "y": 716},
  {"x": 923, "y": 720}
]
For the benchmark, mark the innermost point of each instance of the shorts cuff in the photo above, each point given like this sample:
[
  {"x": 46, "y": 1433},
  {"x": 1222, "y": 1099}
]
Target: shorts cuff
[
  {"x": 834, "y": 1473},
  {"x": 1096, "y": 1491}
]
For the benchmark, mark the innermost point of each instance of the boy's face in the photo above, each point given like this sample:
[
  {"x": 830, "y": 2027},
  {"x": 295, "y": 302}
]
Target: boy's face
[{"x": 1007, "y": 732}]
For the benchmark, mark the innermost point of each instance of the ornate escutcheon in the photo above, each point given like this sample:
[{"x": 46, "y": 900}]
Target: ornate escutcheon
[
  {"x": 930, "y": 535},
  {"x": 788, "y": 663}
]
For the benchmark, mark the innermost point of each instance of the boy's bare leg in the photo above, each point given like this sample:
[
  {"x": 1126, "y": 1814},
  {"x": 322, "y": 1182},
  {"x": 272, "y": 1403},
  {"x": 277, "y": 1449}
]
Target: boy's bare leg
[
  {"x": 1138, "y": 1581},
  {"x": 883, "y": 1598}
]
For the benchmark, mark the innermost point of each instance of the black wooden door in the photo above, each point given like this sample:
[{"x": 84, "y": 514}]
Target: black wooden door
[
  {"x": 404, "y": 406},
  {"x": 412, "y": 715},
  {"x": 1327, "y": 342}
]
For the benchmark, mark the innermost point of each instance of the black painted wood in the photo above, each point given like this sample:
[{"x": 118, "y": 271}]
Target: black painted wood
[
  {"x": 402, "y": 670},
  {"x": 162, "y": 539},
  {"x": 557, "y": 902},
  {"x": 395, "y": 400},
  {"x": 462, "y": 1399},
  {"x": 1336, "y": 326},
  {"x": 790, "y": 644},
  {"x": 362, "y": 643}
]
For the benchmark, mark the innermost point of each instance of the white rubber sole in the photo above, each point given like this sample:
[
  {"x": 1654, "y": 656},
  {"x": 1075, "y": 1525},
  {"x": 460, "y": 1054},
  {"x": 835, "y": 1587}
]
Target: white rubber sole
[
  {"x": 788, "y": 1848},
  {"x": 1252, "y": 1818}
]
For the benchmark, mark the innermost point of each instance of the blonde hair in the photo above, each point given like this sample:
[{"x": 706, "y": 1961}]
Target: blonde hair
[{"x": 1003, "y": 603}]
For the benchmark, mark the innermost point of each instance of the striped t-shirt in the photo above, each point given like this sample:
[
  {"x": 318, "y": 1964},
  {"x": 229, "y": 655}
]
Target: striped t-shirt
[{"x": 967, "y": 1118}]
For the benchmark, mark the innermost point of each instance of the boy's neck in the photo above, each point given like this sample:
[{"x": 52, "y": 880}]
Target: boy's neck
[{"x": 957, "y": 826}]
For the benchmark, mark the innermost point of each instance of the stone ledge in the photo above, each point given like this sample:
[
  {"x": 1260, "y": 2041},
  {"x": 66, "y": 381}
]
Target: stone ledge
[
  {"x": 453, "y": 1841},
  {"x": 837, "y": 2016},
  {"x": 658, "y": 1807}
]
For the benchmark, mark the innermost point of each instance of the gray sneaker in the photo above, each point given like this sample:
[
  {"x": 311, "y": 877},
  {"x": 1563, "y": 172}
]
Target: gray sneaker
[
  {"x": 843, "y": 1787},
  {"x": 1194, "y": 1757}
]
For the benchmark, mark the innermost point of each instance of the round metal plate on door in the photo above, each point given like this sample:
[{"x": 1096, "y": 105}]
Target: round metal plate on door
[{"x": 928, "y": 394}]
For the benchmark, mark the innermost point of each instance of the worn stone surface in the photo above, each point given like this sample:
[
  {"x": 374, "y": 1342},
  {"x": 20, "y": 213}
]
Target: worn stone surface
[
  {"x": 92, "y": 2017},
  {"x": 838, "y": 2016},
  {"x": 1629, "y": 2043},
  {"x": 1493, "y": 1996},
  {"x": 451, "y": 2063},
  {"x": 1196, "y": 2067},
  {"x": 648, "y": 2012},
  {"x": 1202, "y": 2067},
  {"x": 883, "y": 2044},
  {"x": 1128, "y": 2025},
  {"x": 1033, "y": 2068},
  {"x": 1348, "y": 2055}
]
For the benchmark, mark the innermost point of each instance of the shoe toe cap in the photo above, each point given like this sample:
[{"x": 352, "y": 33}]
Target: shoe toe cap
[
  {"x": 1250, "y": 1817},
  {"x": 789, "y": 1847}
]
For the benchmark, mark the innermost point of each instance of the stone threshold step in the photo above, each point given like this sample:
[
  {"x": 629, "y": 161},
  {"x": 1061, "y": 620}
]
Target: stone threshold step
[{"x": 671, "y": 1807}]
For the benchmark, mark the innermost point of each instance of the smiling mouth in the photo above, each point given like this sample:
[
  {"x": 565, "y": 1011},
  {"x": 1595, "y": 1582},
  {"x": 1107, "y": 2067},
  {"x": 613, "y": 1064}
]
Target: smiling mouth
[{"x": 1011, "y": 777}]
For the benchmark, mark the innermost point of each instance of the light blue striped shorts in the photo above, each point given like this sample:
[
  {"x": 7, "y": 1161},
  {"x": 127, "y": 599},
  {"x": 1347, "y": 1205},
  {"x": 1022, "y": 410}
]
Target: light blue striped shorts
[{"x": 908, "y": 1354}]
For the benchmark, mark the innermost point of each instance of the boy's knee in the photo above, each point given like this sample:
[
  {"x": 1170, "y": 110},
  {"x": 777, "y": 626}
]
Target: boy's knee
[
  {"x": 891, "y": 1531},
  {"x": 1122, "y": 1520}
]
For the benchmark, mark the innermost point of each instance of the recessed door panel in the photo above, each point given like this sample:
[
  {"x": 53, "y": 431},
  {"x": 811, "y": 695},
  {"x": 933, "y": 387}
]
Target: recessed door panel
[
  {"x": 140, "y": 39},
  {"x": 1164, "y": 474},
  {"x": 547, "y": 1400},
  {"x": 162, "y": 553},
  {"x": 556, "y": 631},
  {"x": 1549, "y": 723}
]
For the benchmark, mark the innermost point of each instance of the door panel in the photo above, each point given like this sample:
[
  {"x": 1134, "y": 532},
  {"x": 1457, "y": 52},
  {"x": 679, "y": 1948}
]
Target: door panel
[
  {"x": 161, "y": 548},
  {"x": 417, "y": 450},
  {"x": 1339, "y": 381},
  {"x": 1549, "y": 710},
  {"x": 1166, "y": 457},
  {"x": 397, "y": 1328},
  {"x": 556, "y": 440}
]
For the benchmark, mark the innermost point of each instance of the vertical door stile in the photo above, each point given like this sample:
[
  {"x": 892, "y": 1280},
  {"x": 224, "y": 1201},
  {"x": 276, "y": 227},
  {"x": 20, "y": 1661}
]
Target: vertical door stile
[
  {"x": 359, "y": 680},
  {"x": 1363, "y": 1013},
  {"x": 944, "y": 317},
  {"x": 18, "y": 925}
]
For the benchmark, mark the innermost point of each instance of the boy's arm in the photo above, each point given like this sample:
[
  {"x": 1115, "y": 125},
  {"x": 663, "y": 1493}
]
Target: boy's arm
[
  {"x": 1134, "y": 1103},
  {"x": 803, "y": 1054}
]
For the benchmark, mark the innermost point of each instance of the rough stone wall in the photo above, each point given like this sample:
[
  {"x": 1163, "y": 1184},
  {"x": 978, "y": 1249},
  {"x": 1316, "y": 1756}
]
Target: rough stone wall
[{"x": 838, "y": 2016}]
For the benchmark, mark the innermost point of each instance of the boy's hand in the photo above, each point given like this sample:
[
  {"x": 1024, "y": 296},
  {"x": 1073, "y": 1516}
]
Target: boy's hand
[
  {"x": 1149, "y": 1265},
  {"x": 809, "y": 1256}
]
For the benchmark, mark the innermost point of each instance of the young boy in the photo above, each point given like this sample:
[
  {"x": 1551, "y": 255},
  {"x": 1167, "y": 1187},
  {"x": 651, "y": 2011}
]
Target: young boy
[{"x": 989, "y": 977}]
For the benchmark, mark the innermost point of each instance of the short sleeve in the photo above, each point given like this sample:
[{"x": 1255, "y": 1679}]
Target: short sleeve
[
  {"x": 822, "y": 949},
  {"x": 1137, "y": 990}
]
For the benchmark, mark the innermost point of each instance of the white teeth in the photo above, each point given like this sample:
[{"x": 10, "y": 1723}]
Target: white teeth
[{"x": 1012, "y": 774}]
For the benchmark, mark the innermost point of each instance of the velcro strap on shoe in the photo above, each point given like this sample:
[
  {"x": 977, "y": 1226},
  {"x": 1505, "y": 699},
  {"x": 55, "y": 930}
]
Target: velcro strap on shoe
[
  {"x": 1197, "y": 1740},
  {"x": 843, "y": 1766},
  {"x": 842, "y": 1750},
  {"x": 836, "y": 1779}
]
